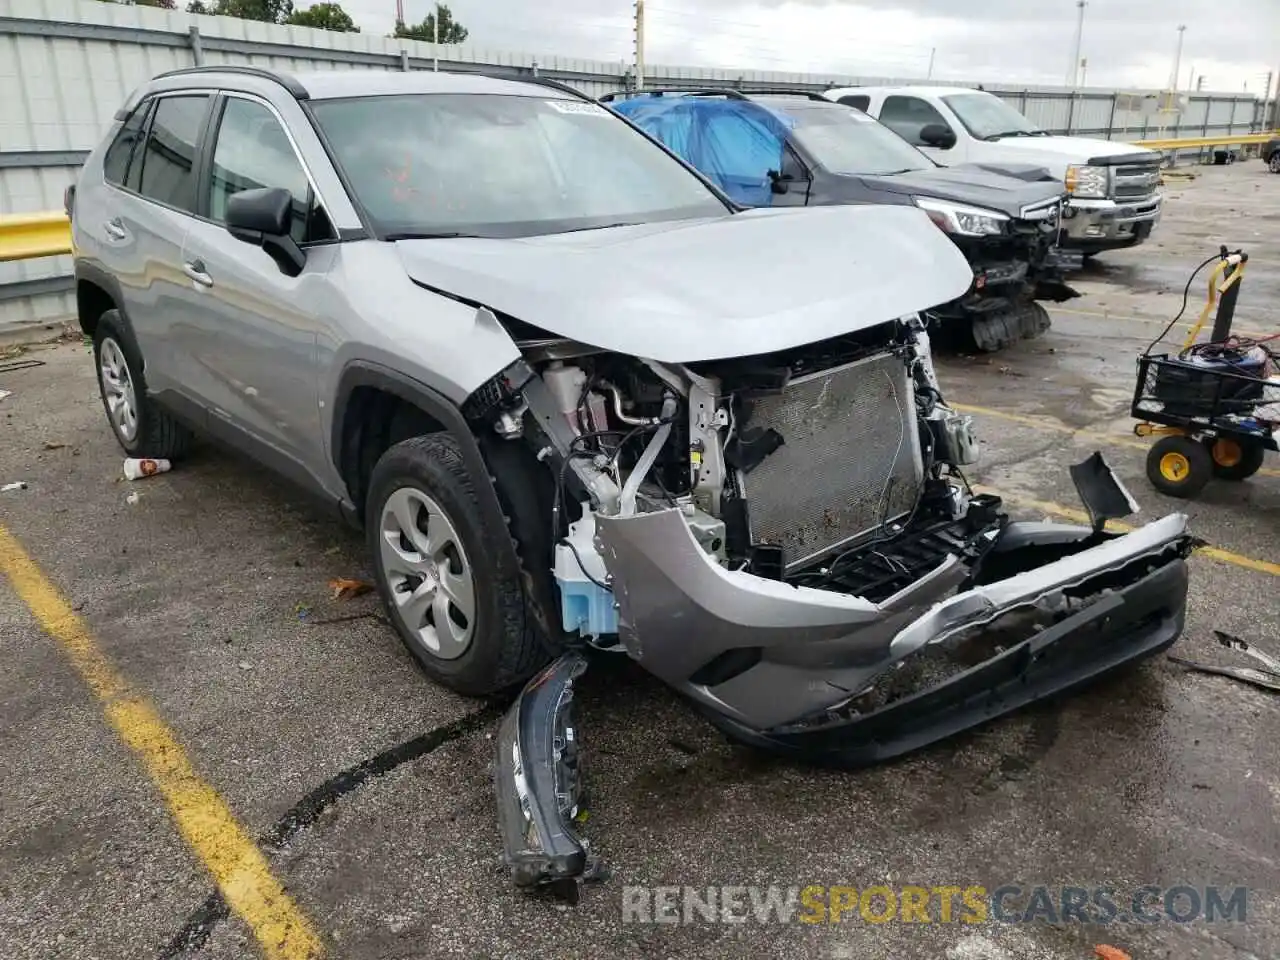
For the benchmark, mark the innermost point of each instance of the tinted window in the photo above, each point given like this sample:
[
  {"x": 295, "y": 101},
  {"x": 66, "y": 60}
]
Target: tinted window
[
  {"x": 168, "y": 163},
  {"x": 504, "y": 166},
  {"x": 115, "y": 164},
  {"x": 858, "y": 101},
  {"x": 907, "y": 116},
  {"x": 253, "y": 151}
]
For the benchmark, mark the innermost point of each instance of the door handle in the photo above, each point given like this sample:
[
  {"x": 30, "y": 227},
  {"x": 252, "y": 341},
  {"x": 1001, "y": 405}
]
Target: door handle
[
  {"x": 196, "y": 271},
  {"x": 114, "y": 229}
]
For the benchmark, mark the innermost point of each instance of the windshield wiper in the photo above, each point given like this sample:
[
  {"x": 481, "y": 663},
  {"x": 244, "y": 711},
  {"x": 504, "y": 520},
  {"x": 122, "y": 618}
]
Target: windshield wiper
[
  {"x": 1014, "y": 133},
  {"x": 603, "y": 226},
  {"x": 448, "y": 235}
]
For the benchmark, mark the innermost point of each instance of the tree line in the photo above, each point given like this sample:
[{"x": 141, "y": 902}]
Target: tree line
[{"x": 322, "y": 16}]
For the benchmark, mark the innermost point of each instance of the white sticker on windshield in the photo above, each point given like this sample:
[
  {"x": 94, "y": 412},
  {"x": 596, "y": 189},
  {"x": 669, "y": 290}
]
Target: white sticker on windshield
[
  {"x": 859, "y": 115},
  {"x": 578, "y": 106}
]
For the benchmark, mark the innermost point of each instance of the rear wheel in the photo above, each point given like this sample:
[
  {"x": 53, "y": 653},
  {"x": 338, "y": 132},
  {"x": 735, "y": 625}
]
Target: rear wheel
[
  {"x": 1233, "y": 460},
  {"x": 1274, "y": 163},
  {"x": 142, "y": 427},
  {"x": 1179, "y": 467}
]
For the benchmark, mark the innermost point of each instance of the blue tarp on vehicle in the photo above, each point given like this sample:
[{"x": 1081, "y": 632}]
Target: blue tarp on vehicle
[{"x": 734, "y": 143}]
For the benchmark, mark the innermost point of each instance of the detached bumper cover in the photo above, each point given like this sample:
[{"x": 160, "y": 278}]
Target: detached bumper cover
[
  {"x": 536, "y": 776},
  {"x": 1123, "y": 627}
]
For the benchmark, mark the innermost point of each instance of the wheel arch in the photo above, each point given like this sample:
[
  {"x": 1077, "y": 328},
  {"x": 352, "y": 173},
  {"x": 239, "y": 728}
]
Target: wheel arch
[
  {"x": 97, "y": 291},
  {"x": 365, "y": 382}
]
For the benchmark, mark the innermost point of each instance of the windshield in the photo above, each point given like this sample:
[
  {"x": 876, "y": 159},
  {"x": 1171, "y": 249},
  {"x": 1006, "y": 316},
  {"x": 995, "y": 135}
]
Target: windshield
[
  {"x": 845, "y": 140},
  {"x": 988, "y": 117},
  {"x": 503, "y": 166}
]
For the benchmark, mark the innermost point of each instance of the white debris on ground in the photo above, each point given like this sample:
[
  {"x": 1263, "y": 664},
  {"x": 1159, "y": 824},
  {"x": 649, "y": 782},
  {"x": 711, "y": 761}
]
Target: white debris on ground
[
  {"x": 136, "y": 468},
  {"x": 17, "y": 485}
]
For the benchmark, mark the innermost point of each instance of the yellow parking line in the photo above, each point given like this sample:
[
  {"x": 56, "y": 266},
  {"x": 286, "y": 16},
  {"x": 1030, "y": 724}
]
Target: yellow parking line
[
  {"x": 1095, "y": 436},
  {"x": 1134, "y": 318},
  {"x": 203, "y": 818},
  {"x": 1079, "y": 516}
]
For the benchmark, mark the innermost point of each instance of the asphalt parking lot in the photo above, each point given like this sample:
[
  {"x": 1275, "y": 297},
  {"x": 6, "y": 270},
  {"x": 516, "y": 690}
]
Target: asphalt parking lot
[{"x": 209, "y": 599}]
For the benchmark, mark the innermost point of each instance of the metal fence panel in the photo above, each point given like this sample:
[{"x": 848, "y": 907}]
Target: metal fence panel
[{"x": 66, "y": 65}]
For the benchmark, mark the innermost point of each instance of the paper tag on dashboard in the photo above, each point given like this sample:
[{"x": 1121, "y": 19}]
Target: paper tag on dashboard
[{"x": 578, "y": 106}]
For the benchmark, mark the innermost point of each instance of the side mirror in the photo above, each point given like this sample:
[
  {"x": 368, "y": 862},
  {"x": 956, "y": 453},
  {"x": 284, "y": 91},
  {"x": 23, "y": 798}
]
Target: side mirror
[
  {"x": 264, "y": 218},
  {"x": 778, "y": 183},
  {"x": 938, "y": 135}
]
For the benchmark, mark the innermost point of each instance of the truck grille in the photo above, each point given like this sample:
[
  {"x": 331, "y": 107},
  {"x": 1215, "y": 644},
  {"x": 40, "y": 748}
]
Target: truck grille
[
  {"x": 1135, "y": 181},
  {"x": 850, "y": 462}
]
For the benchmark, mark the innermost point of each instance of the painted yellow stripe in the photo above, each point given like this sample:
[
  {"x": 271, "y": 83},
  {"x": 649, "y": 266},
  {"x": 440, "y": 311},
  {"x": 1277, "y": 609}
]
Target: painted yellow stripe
[
  {"x": 1079, "y": 516},
  {"x": 1091, "y": 436},
  {"x": 203, "y": 818},
  {"x": 1130, "y": 318}
]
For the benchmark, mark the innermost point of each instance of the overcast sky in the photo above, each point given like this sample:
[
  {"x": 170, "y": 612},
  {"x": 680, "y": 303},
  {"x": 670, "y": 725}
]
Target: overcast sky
[{"x": 1127, "y": 43}]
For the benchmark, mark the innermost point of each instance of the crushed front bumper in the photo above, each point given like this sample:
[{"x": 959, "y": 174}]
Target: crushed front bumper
[{"x": 1123, "y": 627}]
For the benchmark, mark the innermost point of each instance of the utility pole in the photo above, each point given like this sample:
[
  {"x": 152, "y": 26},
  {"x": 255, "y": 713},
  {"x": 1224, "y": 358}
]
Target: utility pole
[
  {"x": 399, "y": 12},
  {"x": 1275, "y": 105},
  {"x": 1177, "y": 59},
  {"x": 639, "y": 37},
  {"x": 1073, "y": 74},
  {"x": 1084, "y": 66},
  {"x": 435, "y": 40},
  {"x": 933, "y": 52}
]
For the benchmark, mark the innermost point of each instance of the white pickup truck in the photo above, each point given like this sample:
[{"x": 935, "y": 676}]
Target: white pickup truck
[{"x": 1114, "y": 187}]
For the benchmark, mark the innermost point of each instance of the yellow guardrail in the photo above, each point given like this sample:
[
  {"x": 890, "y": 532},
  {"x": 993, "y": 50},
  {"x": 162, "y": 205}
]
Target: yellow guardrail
[
  {"x": 26, "y": 235},
  {"x": 1224, "y": 140}
]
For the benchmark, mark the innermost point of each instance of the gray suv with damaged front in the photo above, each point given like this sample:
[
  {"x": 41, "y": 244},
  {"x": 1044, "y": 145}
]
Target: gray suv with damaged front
[{"x": 582, "y": 403}]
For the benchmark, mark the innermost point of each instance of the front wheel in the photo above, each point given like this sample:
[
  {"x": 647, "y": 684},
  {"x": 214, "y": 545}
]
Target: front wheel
[
  {"x": 1180, "y": 467},
  {"x": 450, "y": 582},
  {"x": 1233, "y": 460},
  {"x": 1274, "y": 163}
]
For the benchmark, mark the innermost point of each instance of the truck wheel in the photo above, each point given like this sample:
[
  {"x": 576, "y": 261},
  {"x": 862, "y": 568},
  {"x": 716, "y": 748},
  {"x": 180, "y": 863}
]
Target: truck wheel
[
  {"x": 449, "y": 580},
  {"x": 141, "y": 426},
  {"x": 1233, "y": 460},
  {"x": 1179, "y": 467}
]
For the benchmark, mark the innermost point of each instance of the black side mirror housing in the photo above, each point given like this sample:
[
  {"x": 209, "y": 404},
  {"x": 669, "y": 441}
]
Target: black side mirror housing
[
  {"x": 264, "y": 218},
  {"x": 938, "y": 135},
  {"x": 778, "y": 183}
]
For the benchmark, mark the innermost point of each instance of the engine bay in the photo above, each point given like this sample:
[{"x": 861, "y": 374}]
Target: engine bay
[{"x": 834, "y": 466}]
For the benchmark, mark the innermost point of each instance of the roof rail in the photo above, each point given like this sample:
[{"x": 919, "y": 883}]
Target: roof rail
[
  {"x": 783, "y": 92},
  {"x": 540, "y": 81},
  {"x": 296, "y": 89},
  {"x": 683, "y": 91}
]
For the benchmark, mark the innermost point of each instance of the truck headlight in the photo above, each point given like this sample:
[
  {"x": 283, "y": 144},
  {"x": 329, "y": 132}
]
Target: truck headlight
[
  {"x": 1087, "y": 183},
  {"x": 965, "y": 221}
]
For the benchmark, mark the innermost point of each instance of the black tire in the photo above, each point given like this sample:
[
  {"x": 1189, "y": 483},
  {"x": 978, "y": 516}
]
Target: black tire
[
  {"x": 1273, "y": 162},
  {"x": 1233, "y": 460},
  {"x": 504, "y": 649},
  {"x": 1180, "y": 467},
  {"x": 157, "y": 434}
]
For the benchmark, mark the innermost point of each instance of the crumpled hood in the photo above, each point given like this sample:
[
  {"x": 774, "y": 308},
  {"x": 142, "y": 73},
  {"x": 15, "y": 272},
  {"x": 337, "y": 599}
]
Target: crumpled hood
[
  {"x": 684, "y": 291},
  {"x": 980, "y": 186}
]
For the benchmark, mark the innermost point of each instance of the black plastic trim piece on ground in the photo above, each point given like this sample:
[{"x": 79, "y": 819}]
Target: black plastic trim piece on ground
[{"x": 200, "y": 924}]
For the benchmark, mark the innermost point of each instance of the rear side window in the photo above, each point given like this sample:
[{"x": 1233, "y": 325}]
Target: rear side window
[
  {"x": 169, "y": 158},
  {"x": 252, "y": 150},
  {"x": 115, "y": 164},
  {"x": 859, "y": 101}
]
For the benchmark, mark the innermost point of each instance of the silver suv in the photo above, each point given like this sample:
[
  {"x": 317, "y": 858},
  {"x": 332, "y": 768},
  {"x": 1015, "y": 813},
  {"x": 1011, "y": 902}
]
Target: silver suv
[{"x": 581, "y": 402}]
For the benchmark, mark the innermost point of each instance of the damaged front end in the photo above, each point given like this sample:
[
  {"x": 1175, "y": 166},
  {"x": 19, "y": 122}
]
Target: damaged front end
[{"x": 788, "y": 540}]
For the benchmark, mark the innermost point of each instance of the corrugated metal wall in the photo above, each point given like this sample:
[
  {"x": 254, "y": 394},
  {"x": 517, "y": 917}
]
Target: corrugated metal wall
[{"x": 66, "y": 65}]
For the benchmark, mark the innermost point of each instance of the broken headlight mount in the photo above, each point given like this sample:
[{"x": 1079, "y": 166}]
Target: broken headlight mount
[{"x": 538, "y": 784}]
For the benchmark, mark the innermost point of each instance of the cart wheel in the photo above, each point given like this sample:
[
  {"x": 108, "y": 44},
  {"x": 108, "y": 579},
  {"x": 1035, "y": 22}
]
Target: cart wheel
[
  {"x": 1233, "y": 460},
  {"x": 1179, "y": 467}
]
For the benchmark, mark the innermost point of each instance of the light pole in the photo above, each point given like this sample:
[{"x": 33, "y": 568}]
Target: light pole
[
  {"x": 1073, "y": 75},
  {"x": 1177, "y": 59}
]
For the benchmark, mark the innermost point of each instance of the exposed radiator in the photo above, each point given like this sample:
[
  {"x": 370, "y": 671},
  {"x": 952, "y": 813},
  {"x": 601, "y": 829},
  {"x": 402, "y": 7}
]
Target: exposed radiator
[{"x": 850, "y": 462}]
